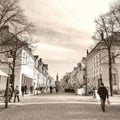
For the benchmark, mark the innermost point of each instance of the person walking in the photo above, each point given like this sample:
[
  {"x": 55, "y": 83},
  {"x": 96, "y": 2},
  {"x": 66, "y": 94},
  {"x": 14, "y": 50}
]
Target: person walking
[
  {"x": 103, "y": 93},
  {"x": 9, "y": 92},
  {"x": 51, "y": 89},
  {"x": 94, "y": 95},
  {"x": 56, "y": 89},
  {"x": 23, "y": 90},
  {"x": 16, "y": 94},
  {"x": 31, "y": 89}
]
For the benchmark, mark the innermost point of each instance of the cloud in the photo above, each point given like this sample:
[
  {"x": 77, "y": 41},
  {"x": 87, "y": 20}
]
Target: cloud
[
  {"x": 63, "y": 35},
  {"x": 55, "y": 52},
  {"x": 64, "y": 29},
  {"x": 53, "y": 48}
]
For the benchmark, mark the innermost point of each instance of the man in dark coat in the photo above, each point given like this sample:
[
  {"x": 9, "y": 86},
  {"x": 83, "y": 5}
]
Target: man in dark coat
[
  {"x": 103, "y": 93},
  {"x": 51, "y": 89},
  {"x": 23, "y": 90}
]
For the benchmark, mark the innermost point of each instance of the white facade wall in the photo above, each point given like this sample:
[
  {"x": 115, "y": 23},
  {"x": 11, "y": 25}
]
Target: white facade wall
[
  {"x": 3, "y": 80},
  {"x": 36, "y": 78},
  {"x": 41, "y": 79}
]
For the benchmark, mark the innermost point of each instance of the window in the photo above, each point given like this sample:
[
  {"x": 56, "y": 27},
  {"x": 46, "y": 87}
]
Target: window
[
  {"x": 113, "y": 58},
  {"x": 100, "y": 58},
  {"x": 97, "y": 61},
  {"x": 24, "y": 58},
  {"x": 100, "y": 76},
  {"x": 114, "y": 78},
  {"x": 27, "y": 59}
]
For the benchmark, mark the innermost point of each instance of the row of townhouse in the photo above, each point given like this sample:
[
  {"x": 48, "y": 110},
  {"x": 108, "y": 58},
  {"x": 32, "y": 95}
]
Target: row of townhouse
[
  {"x": 29, "y": 70},
  {"x": 94, "y": 69},
  {"x": 74, "y": 79}
]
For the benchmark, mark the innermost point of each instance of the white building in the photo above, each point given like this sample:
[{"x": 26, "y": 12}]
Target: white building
[{"x": 29, "y": 69}]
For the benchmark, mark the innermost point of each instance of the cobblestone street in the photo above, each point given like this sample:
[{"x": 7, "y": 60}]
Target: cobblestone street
[
  {"x": 60, "y": 112},
  {"x": 59, "y": 107}
]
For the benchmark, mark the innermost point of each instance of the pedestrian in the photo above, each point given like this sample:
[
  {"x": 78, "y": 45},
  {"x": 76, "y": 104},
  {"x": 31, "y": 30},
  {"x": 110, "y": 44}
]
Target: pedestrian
[
  {"x": 9, "y": 92},
  {"x": 103, "y": 93},
  {"x": 51, "y": 89},
  {"x": 56, "y": 89},
  {"x": 12, "y": 90},
  {"x": 23, "y": 90},
  {"x": 94, "y": 94},
  {"x": 31, "y": 89},
  {"x": 16, "y": 94}
]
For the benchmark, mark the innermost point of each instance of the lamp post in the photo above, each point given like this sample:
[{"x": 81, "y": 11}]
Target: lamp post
[{"x": 7, "y": 83}]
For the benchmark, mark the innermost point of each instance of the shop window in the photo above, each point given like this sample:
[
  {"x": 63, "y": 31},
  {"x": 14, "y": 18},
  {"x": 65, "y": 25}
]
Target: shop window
[
  {"x": 114, "y": 79},
  {"x": 113, "y": 58}
]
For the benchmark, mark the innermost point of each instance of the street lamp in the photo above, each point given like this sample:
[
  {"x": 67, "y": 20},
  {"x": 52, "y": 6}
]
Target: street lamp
[{"x": 7, "y": 83}]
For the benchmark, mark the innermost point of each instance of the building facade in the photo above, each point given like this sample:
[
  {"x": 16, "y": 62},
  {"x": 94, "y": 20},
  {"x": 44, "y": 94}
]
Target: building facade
[
  {"x": 74, "y": 79},
  {"x": 98, "y": 70},
  {"x": 29, "y": 69}
]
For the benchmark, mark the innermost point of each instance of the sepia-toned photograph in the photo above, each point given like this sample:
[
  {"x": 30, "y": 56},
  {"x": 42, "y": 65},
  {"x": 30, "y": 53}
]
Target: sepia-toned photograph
[{"x": 59, "y": 59}]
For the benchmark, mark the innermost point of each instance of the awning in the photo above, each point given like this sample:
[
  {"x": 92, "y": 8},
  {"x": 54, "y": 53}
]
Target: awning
[{"x": 3, "y": 74}]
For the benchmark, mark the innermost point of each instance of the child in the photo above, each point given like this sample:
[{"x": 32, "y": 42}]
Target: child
[{"x": 16, "y": 92}]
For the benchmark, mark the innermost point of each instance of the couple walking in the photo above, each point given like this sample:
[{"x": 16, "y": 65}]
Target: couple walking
[{"x": 10, "y": 90}]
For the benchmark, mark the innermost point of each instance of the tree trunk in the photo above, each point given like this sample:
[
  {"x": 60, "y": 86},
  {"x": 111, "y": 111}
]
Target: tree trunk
[
  {"x": 13, "y": 71},
  {"x": 110, "y": 72}
]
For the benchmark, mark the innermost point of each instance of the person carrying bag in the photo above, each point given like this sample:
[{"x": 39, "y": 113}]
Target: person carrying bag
[
  {"x": 103, "y": 93},
  {"x": 16, "y": 92}
]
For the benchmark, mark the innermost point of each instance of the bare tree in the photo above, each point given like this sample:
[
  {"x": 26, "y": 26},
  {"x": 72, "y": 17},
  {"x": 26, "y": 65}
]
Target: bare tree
[
  {"x": 108, "y": 34},
  {"x": 15, "y": 31},
  {"x": 12, "y": 15}
]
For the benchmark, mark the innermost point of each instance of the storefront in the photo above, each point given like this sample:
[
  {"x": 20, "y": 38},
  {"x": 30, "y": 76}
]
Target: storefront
[{"x": 28, "y": 81}]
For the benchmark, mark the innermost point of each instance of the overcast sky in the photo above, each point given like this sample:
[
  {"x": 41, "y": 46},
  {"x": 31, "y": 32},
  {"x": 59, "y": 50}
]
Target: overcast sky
[{"x": 64, "y": 28}]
